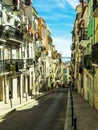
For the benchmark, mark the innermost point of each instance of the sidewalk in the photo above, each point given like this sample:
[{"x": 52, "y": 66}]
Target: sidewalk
[
  {"x": 6, "y": 108},
  {"x": 86, "y": 116}
]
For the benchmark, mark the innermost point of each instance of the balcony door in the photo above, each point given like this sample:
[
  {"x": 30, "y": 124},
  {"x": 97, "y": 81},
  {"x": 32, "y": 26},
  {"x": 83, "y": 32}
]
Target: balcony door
[{"x": 1, "y": 53}]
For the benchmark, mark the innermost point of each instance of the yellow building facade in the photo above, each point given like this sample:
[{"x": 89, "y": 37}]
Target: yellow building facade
[{"x": 96, "y": 69}]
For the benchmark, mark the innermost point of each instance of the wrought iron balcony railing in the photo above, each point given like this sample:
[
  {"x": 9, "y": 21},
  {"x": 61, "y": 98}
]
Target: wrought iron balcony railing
[
  {"x": 54, "y": 54},
  {"x": 2, "y": 31},
  {"x": 10, "y": 32},
  {"x": 29, "y": 62},
  {"x": 88, "y": 61},
  {"x": 95, "y": 53},
  {"x": 83, "y": 34},
  {"x": 73, "y": 46},
  {"x": 95, "y": 8},
  {"x": 12, "y": 65}
]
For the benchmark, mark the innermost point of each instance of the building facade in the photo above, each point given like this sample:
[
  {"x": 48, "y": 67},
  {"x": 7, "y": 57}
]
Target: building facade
[
  {"x": 26, "y": 51},
  {"x": 84, "y": 51}
]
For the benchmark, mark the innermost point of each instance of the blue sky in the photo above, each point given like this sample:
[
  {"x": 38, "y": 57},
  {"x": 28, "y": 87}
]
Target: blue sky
[{"x": 59, "y": 16}]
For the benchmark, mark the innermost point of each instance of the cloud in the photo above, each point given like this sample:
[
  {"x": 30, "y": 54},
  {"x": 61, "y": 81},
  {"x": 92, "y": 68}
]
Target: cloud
[
  {"x": 63, "y": 44},
  {"x": 47, "y": 8},
  {"x": 59, "y": 16},
  {"x": 56, "y": 17},
  {"x": 49, "y": 5},
  {"x": 62, "y": 23},
  {"x": 61, "y": 3},
  {"x": 73, "y": 3}
]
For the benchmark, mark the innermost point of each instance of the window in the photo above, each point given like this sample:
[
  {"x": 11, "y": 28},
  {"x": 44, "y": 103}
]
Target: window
[
  {"x": 15, "y": 2},
  {"x": 27, "y": 2}
]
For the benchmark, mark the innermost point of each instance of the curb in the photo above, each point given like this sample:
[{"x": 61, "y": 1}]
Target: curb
[
  {"x": 7, "y": 112},
  {"x": 67, "y": 119},
  {"x": 21, "y": 105}
]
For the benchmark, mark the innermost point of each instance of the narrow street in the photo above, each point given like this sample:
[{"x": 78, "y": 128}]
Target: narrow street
[{"x": 47, "y": 113}]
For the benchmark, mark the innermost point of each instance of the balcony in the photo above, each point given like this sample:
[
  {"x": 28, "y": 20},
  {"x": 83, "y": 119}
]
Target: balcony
[
  {"x": 42, "y": 48},
  {"x": 73, "y": 60},
  {"x": 95, "y": 53},
  {"x": 2, "y": 38},
  {"x": 95, "y": 8},
  {"x": 50, "y": 39},
  {"x": 29, "y": 62},
  {"x": 80, "y": 70},
  {"x": 83, "y": 34},
  {"x": 88, "y": 61},
  {"x": 1, "y": 31},
  {"x": 12, "y": 65},
  {"x": 73, "y": 47},
  {"x": 13, "y": 36},
  {"x": 54, "y": 54}
]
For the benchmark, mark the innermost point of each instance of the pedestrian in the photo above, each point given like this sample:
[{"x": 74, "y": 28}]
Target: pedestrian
[{"x": 52, "y": 85}]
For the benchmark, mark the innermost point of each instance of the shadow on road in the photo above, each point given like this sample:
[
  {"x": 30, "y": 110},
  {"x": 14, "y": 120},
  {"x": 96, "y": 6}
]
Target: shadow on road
[{"x": 46, "y": 113}]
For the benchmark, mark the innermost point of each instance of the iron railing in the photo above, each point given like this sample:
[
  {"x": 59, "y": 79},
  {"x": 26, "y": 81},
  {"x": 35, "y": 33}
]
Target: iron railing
[
  {"x": 95, "y": 53},
  {"x": 95, "y": 5},
  {"x": 88, "y": 61},
  {"x": 10, "y": 32},
  {"x": 11, "y": 65},
  {"x": 83, "y": 34}
]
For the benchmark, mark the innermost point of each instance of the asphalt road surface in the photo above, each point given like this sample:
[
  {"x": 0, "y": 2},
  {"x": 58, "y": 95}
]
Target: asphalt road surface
[{"x": 47, "y": 113}]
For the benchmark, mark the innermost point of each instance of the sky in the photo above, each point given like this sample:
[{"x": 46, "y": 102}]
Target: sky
[{"x": 59, "y": 15}]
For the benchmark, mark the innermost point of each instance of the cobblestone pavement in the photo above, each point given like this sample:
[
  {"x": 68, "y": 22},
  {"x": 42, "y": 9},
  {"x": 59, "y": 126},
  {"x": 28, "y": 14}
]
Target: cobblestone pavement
[{"x": 86, "y": 116}]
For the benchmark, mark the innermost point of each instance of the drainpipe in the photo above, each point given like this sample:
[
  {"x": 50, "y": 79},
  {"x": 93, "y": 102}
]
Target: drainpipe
[
  {"x": 2, "y": 9},
  {"x": 93, "y": 72},
  {"x": 4, "y": 75},
  {"x": 93, "y": 67},
  {"x": 4, "y": 90}
]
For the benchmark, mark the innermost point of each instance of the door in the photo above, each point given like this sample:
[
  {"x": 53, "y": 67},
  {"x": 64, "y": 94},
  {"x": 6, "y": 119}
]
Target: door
[{"x": 1, "y": 89}]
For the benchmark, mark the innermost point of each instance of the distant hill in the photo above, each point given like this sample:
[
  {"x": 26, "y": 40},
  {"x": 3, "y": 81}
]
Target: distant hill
[{"x": 66, "y": 59}]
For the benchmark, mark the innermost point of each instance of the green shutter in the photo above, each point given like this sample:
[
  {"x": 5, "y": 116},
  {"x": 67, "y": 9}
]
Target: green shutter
[{"x": 91, "y": 27}]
